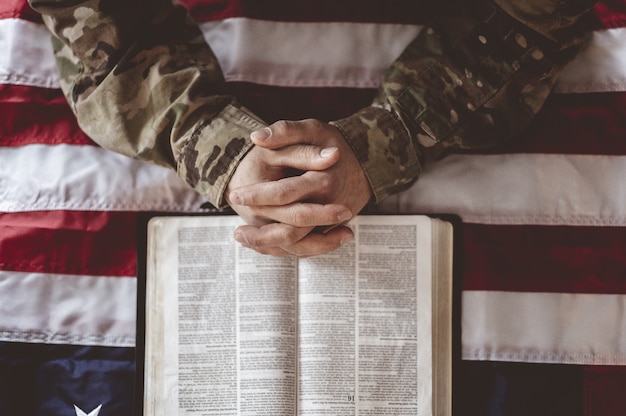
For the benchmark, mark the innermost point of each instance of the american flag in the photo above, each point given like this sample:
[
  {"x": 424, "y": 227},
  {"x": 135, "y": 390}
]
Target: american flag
[{"x": 542, "y": 250}]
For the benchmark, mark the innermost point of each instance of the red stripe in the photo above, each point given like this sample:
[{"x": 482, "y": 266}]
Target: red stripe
[
  {"x": 69, "y": 242},
  {"x": 612, "y": 13},
  {"x": 388, "y": 11},
  {"x": 591, "y": 124},
  {"x": 603, "y": 391},
  {"x": 31, "y": 115},
  {"x": 568, "y": 123},
  {"x": 18, "y": 9},
  {"x": 580, "y": 123},
  {"x": 544, "y": 259},
  {"x": 609, "y": 13}
]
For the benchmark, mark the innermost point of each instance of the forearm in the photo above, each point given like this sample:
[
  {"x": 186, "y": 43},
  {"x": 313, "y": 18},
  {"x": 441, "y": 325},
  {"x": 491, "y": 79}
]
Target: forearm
[
  {"x": 470, "y": 80},
  {"x": 143, "y": 82}
]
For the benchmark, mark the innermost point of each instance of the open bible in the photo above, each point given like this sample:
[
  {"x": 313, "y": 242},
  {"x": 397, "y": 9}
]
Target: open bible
[{"x": 364, "y": 330}]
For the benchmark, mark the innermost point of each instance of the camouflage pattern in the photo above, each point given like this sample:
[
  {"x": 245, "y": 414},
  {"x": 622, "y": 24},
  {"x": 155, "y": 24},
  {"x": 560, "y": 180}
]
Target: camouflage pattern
[
  {"x": 473, "y": 79},
  {"x": 143, "y": 82}
]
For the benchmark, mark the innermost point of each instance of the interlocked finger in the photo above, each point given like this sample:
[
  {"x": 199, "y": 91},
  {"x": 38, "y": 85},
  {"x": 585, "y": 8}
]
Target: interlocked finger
[
  {"x": 282, "y": 240},
  {"x": 308, "y": 186}
]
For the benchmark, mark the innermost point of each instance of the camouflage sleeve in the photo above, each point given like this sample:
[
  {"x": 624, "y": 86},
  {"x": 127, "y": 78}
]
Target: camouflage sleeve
[
  {"x": 470, "y": 80},
  {"x": 143, "y": 82}
]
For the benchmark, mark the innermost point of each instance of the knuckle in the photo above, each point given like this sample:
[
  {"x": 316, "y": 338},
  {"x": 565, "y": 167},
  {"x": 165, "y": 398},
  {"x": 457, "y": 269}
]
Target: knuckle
[
  {"x": 281, "y": 127},
  {"x": 262, "y": 241},
  {"x": 324, "y": 185},
  {"x": 307, "y": 153},
  {"x": 313, "y": 122},
  {"x": 281, "y": 195},
  {"x": 298, "y": 217},
  {"x": 325, "y": 181}
]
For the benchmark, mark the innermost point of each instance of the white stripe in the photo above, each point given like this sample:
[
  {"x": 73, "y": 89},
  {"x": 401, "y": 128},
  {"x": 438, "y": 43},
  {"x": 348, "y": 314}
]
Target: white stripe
[
  {"x": 599, "y": 67},
  {"x": 337, "y": 54},
  {"x": 544, "y": 327},
  {"x": 40, "y": 177},
  {"x": 540, "y": 189},
  {"x": 490, "y": 189},
  {"x": 306, "y": 54},
  {"x": 62, "y": 309},
  {"x": 503, "y": 326},
  {"x": 26, "y": 57}
]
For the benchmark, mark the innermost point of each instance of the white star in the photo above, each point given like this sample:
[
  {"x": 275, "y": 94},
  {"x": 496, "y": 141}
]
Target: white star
[{"x": 94, "y": 412}]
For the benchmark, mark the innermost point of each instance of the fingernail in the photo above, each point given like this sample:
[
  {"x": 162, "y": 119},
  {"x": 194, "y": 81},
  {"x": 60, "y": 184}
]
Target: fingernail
[
  {"x": 262, "y": 134},
  {"x": 344, "y": 216},
  {"x": 235, "y": 198},
  {"x": 346, "y": 238},
  {"x": 239, "y": 237},
  {"x": 327, "y": 152}
]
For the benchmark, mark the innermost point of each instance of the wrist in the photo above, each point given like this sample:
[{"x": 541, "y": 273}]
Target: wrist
[
  {"x": 213, "y": 151},
  {"x": 383, "y": 148}
]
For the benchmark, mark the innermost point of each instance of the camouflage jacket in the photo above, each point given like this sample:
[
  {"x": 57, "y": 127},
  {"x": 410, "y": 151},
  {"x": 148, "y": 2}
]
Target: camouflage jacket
[{"x": 143, "y": 82}]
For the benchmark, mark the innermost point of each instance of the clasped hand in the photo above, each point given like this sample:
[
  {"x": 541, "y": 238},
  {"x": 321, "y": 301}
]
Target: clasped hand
[{"x": 295, "y": 188}]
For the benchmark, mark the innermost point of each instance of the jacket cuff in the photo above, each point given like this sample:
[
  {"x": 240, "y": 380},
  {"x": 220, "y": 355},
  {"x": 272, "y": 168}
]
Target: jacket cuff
[
  {"x": 384, "y": 149},
  {"x": 213, "y": 151}
]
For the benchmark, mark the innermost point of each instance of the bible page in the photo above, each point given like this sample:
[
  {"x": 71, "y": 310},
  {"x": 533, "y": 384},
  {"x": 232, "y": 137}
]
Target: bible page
[
  {"x": 221, "y": 323},
  {"x": 365, "y": 341}
]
